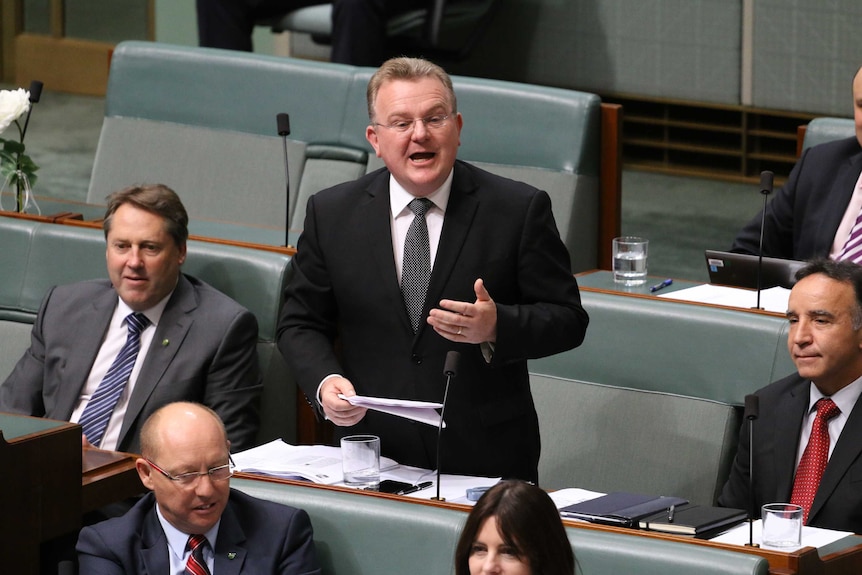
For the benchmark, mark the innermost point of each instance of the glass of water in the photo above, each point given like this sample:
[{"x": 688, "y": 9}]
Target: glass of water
[{"x": 630, "y": 260}]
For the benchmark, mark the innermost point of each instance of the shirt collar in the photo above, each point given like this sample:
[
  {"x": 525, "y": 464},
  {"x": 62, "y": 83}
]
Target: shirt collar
[
  {"x": 845, "y": 398},
  {"x": 154, "y": 314},
  {"x": 399, "y": 198},
  {"x": 177, "y": 540}
]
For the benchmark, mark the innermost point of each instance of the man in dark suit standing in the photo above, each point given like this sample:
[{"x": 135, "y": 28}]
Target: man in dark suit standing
[
  {"x": 192, "y": 519},
  {"x": 108, "y": 353},
  {"x": 808, "y": 435},
  {"x": 428, "y": 255},
  {"x": 814, "y": 213}
]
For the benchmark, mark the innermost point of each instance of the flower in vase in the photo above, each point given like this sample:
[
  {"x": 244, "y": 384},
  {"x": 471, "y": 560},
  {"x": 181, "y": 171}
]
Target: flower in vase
[
  {"x": 13, "y": 105},
  {"x": 17, "y": 169}
]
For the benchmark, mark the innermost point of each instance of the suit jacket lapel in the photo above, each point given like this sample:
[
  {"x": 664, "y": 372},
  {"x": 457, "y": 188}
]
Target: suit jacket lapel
[
  {"x": 154, "y": 544},
  {"x": 375, "y": 209},
  {"x": 91, "y": 331},
  {"x": 230, "y": 549},
  {"x": 792, "y": 409},
  {"x": 846, "y": 451},
  {"x": 459, "y": 216},
  {"x": 173, "y": 327},
  {"x": 842, "y": 190}
]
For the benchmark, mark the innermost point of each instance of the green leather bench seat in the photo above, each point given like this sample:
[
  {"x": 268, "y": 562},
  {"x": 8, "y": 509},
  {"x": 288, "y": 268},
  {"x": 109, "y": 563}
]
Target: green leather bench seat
[
  {"x": 357, "y": 534},
  {"x": 203, "y": 121},
  {"x": 38, "y": 255},
  {"x": 821, "y": 130},
  {"x": 606, "y": 438},
  {"x": 650, "y": 402}
]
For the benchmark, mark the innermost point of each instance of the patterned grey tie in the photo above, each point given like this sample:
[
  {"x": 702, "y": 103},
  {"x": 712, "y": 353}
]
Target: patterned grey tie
[{"x": 416, "y": 268}]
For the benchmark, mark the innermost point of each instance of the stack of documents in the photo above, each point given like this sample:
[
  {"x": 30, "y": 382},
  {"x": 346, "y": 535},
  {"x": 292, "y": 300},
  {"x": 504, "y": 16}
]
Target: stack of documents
[{"x": 317, "y": 463}]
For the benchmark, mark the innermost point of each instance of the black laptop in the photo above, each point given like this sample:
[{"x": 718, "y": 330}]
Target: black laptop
[{"x": 740, "y": 270}]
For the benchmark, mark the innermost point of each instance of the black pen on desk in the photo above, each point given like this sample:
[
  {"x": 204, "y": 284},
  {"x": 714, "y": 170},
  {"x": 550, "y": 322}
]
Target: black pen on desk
[
  {"x": 662, "y": 285},
  {"x": 670, "y": 511},
  {"x": 415, "y": 488}
]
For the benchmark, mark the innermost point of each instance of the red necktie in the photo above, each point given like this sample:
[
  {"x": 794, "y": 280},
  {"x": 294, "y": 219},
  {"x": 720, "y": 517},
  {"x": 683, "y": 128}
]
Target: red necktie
[
  {"x": 196, "y": 565},
  {"x": 814, "y": 458}
]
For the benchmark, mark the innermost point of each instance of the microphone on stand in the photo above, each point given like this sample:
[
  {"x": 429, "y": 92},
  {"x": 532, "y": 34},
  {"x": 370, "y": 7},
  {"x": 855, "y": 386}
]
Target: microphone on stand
[
  {"x": 751, "y": 413},
  {"x": 450, "y": 368},
  {"x": 766, "y": 178},
  {"x": 283, "y": 121}
]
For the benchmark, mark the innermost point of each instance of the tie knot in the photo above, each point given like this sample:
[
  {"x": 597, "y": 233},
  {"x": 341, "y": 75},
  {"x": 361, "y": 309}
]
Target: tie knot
[
  {"x": 419, "y": 206},
  {"x": 137, "y": 322},
  {"x": 195, "y": 541},
  {"x": 826, "y": 409}
]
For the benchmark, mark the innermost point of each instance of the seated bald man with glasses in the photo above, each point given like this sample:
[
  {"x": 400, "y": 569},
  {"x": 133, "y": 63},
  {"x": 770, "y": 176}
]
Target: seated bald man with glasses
[{"x": 192, "y": 522}]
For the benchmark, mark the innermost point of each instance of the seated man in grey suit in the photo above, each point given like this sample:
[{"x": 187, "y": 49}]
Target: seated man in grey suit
[
  {"x": 808, "y": 437},
  {"x": 192, "y": 519},
  {"x": 108, "y": 353}
]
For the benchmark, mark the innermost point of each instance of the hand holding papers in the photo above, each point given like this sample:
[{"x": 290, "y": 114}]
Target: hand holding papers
[{"x": 421, "y": 411}]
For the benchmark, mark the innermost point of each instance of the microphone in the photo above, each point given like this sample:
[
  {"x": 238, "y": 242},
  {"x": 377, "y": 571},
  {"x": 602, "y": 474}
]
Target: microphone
[
  {"x": 35, "y": 95},
  {"x": 283, "y": 122},
  {"x": 750, "y": 414},
  {"x": 450, "y": 368},
  {"x": 766, "y": 178}
]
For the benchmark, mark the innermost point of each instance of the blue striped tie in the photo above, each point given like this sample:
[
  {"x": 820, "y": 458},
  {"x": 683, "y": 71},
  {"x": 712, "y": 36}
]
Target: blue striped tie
[{"x": 99, "y": 409}]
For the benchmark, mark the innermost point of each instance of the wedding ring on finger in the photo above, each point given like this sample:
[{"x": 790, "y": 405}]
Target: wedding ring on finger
[{"x": 459, "y": 330}]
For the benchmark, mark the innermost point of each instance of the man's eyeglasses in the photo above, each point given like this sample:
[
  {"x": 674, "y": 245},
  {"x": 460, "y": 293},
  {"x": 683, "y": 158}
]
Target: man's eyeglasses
[
  {"x": 434, "y": 122},
  {"x": 220, "y": 473}
]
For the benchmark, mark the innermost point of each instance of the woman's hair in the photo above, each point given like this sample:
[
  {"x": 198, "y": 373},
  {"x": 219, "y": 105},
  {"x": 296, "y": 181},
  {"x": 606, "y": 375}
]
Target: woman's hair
[{"x": 528, "y": 521}]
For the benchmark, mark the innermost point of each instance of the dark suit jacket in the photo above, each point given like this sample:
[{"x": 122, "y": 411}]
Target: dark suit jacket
[
  {"x": 838, "y": 503},
  {"x": 210, "y": 358},
  {"x": 802, "y": 218},
  {"x": 264, "y": 537},
  {"x": 345, "y": 286}
]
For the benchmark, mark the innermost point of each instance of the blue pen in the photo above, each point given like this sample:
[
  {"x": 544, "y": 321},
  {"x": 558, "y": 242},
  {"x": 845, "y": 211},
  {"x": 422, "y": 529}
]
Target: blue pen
[{"x": 662, "y": 285}]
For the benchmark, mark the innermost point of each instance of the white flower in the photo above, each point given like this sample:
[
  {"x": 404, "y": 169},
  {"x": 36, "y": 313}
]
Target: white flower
[{"x": 13, "y": 105}]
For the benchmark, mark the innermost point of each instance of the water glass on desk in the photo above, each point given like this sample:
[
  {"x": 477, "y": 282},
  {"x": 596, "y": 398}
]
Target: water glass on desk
[
  {"x": 782, "y": 525},
  {"x": 360, "y": 456},
  {"x": 630, "y": 260}
]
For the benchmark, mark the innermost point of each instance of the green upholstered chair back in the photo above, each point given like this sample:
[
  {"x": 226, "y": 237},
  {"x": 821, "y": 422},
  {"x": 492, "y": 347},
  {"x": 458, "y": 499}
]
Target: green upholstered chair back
[
  {"x": 822, "y": 130},
  {"x": 203, "y": 122},
  {"x": 360, "y": 534},
  {"x": 671, "y": 347},
  {"x": 606, "y": 438}
]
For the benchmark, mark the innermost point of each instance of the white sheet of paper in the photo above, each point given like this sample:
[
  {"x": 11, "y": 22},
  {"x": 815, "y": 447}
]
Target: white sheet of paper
[
  {"x": 421, "y": 411},
  {"x": 772, "y": 299},
  {"x": 453, "y": 488},
  {"x": 572, "y": 495},
  {"x": 811, "y": 536}
]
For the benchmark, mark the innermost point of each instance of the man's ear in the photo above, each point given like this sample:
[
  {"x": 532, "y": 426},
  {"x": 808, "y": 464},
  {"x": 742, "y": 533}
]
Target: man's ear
[{"x": 145, "y": 473}]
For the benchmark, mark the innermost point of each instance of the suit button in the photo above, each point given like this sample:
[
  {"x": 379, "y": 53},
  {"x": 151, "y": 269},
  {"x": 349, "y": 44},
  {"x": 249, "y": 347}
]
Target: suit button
[{"x": 416, "y": 358}]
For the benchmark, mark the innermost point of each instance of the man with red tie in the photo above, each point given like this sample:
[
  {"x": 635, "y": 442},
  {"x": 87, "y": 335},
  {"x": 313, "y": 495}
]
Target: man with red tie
[
  {"x": 808, "y": 437},
  {"x": 193, "y": 522}
]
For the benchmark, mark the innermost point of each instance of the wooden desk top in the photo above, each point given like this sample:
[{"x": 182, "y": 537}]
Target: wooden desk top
[{"x": 108, "y": 477}]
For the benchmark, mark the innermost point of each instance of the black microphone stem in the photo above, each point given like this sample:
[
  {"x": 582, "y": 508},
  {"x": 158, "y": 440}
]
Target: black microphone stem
[
  {"x": 283, "y": 123},
  {"x": 440, "y": 431},
  {"x": 450, "y": 368},
  {"x": 766, "y": 178},
  {"x": 751, "y": 413}
]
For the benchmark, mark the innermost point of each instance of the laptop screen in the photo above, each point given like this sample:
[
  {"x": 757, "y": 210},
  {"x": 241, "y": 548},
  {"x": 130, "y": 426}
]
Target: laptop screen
[{"x": 740, "y": 270}]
